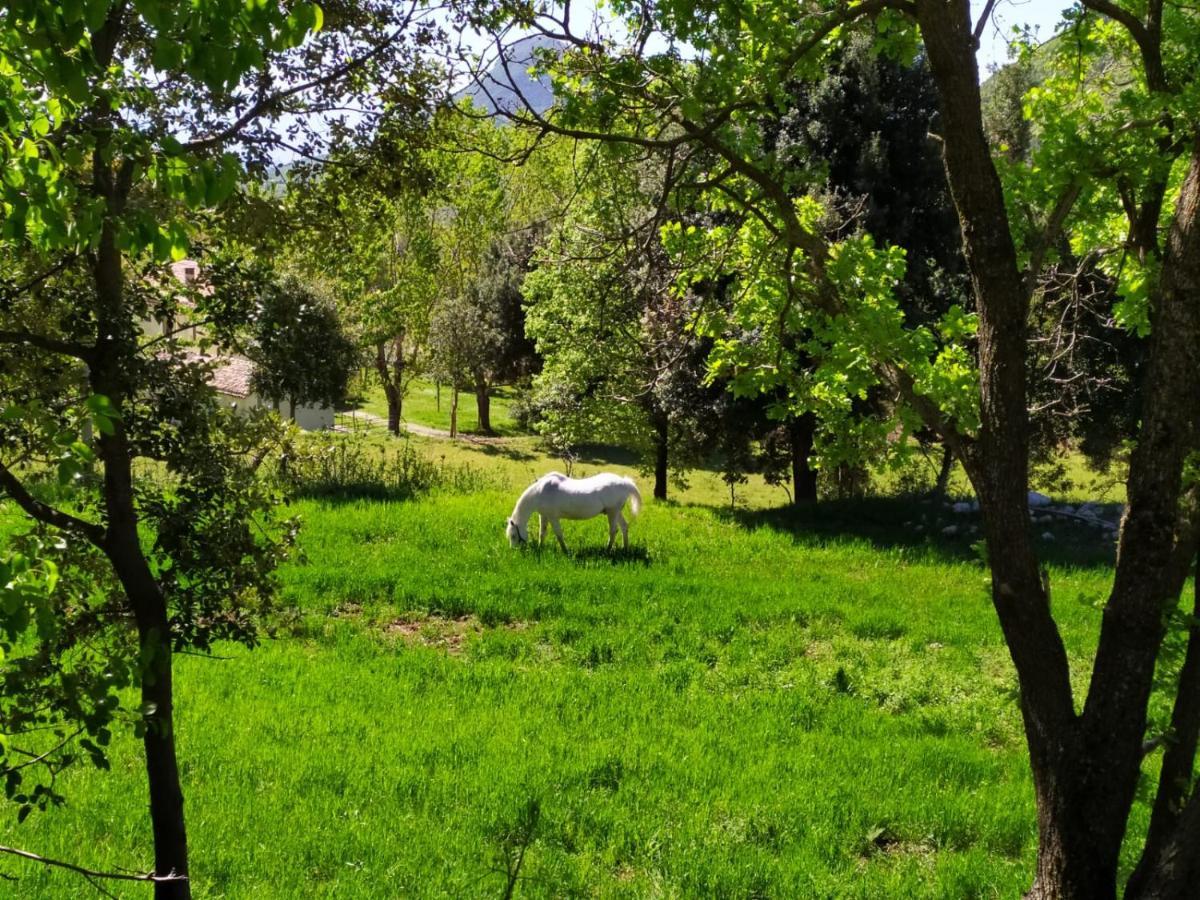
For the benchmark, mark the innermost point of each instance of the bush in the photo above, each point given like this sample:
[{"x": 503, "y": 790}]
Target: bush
[{"x": 337, "y": 466}]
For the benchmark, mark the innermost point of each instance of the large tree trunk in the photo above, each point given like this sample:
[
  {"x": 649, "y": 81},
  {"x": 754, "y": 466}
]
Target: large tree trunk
[
  {"x": 454, "y": 412},
  {"x": 1085, "y": 768},
  {"x": 390, "y": 375},
  {"x": 661, "y": 434},
  {"x": 1160, "y": 873},
  {"x": 1068, "y": 864},
  {"x": 802, "y": 431},
  {"x": 483, "y": 400}
]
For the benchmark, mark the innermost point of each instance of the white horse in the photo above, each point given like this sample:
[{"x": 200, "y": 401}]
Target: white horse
[{"x": 555, "y": 496}]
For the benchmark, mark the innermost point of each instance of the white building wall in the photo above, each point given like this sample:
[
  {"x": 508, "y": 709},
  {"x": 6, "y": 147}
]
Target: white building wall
[{"x": 308, "y": 418}]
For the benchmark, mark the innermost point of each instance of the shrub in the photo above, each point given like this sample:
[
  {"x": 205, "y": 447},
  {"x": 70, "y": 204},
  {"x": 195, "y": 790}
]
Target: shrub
[{"x": 339, "y": 466}]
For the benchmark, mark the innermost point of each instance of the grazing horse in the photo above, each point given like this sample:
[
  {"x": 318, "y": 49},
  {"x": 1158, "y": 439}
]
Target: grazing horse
[{"x": 555, "y": 496}]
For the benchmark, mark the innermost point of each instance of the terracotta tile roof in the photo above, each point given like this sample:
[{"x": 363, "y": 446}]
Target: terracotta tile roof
[{"x": 231, "y": 375}]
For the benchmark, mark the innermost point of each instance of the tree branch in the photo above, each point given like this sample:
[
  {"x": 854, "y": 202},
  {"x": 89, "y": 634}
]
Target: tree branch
[
  {"x": 40, "y": 757},
  {"x": 92, "y": 873},
  {"x": 266, "y": 103},
  {"x": 1147, "y": 35},
  {"x": 19, "y": 289},
  {"x": 983, "y": 20},
  {"x": 43, "y": 512},
  {"x": 1062, "y": 208},
  {"x": 51, "y": 345}
]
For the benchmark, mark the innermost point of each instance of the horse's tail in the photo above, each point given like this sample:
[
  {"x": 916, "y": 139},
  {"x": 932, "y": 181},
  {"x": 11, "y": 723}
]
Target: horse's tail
[{"x": 635, "y": 498}]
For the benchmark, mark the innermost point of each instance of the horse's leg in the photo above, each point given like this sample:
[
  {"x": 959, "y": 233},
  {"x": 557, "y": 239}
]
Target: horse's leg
[
  {"x": 624, "y": 529},
  {"x": 612, "y": 529},
  {"x": 558, "y": 534},
  {"x": 542, "y": 531}
]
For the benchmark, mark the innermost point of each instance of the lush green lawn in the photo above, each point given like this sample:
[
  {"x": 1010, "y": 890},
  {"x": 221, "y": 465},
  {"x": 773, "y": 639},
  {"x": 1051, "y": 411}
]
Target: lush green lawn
[{"x": 750, "y": 705}]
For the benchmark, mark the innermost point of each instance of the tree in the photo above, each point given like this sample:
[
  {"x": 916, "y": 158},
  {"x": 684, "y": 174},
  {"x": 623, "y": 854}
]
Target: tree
[
  {"x": 363, "y": 219},
  {"x": 300, "y": 351},
  {"x": 459, "y": 335},
  {"x": 863, "y": 129},
  {"x": 1117, "y": 172},
  {"x": 106, "y": 169},
  {"x": 504, "y": 353},
  {"x": 620, "y": 362}
]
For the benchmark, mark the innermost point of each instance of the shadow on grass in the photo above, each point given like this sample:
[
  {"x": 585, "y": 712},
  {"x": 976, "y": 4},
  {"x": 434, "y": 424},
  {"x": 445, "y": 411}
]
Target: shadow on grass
[
  {"x": 918, "y": 523},
  {"x": 507, "y": 451},
  {"x": 617, "y": 556},
  {"x": 600, "y": 454},
  {"x": 587, "y": 553},
  {"x": 334, "y": 496}
]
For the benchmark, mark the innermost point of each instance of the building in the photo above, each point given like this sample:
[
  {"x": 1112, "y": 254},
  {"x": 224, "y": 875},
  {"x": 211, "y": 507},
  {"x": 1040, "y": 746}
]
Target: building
[{"x": 231, "y": 375}]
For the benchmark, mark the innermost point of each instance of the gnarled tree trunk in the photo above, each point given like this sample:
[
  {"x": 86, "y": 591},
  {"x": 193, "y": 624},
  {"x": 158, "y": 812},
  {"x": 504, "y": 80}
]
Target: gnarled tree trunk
[{"x": 1085, "y": 767}]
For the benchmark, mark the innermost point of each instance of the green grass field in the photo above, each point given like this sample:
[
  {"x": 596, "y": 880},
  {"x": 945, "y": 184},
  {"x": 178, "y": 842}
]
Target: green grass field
[
  {"x": 424, "y": 406},
  {"x": 744, "y": 704},
  {"x": 751, "y": 702}
]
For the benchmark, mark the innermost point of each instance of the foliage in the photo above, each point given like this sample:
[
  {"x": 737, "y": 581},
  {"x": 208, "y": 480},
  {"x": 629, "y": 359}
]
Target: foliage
[
  {"x": 620, "y": 362},
  {"x": 124, "y": 131},
  {"x": 338, "y": 466},
  {"x": 301, "y": 353},
  {"x": 462, "y": 336}
]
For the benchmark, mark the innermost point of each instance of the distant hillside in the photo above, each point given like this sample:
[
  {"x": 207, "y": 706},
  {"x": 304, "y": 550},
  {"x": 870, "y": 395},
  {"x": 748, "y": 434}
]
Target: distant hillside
[{"x": 508, "y": 85}]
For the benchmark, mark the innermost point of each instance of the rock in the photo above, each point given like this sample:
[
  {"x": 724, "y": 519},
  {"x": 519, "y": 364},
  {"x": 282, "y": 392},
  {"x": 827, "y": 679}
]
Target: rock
[
  {"x": 1037, "y": 499},
  {"x": 1047, "y": 535},
  {"x": 1069, "y": 510},
  {"x": 1088, "y": 509},
  {"x": 950, "y": 530},
  {"x": 963, "y": 507}
]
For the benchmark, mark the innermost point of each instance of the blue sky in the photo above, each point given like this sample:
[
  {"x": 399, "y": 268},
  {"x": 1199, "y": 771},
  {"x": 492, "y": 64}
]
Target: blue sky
[{"x": 1041, "y": 15}]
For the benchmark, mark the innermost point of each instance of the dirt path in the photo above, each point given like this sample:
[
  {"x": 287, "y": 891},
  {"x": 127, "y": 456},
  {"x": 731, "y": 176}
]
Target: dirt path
[{"x": 372, "y": 420}]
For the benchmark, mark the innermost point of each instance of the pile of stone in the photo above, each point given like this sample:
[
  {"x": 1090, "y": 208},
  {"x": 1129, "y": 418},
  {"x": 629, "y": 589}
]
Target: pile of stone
[{"x": 1103, "y": 518}]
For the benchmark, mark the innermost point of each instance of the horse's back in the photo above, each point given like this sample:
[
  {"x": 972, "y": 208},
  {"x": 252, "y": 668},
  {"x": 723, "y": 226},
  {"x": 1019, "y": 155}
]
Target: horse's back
[{"x": 583, "y": 498}]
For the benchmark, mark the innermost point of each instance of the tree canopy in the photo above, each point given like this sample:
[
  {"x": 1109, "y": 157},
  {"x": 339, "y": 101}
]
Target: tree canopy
[
  {"x": 125, "y": 131},
  {"x": 1114, "y": 175}
]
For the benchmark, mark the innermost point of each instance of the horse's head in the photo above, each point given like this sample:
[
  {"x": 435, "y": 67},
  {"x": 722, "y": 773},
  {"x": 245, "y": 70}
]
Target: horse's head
[{"x": 515, "y": 538}]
